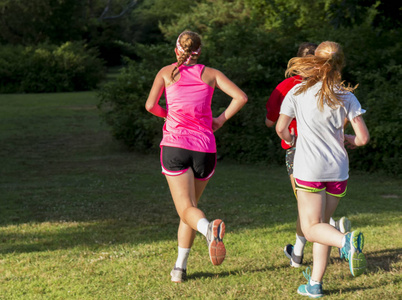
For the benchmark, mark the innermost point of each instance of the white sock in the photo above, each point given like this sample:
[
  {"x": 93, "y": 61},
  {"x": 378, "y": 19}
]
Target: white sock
[
  {"x": 313, "y": 282},
  {"x": 343, "y": 241},
  {"x": 202, "y": 226},
  {"x": 182, "y": 257},
  {"x": 299, "y": 245},
  {"x": 332, "y": 222}
]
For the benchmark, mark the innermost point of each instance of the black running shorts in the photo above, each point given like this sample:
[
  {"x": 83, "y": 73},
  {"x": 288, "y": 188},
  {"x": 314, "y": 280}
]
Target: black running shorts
[{"x": 176, "y": 161}]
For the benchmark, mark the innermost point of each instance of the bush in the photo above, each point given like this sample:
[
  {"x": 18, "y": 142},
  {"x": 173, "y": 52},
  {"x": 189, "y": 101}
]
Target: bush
[
  {"x": 49, "y": 68},
  {"x": 380, "y": 94},
  {"x": 122, "y": 105},
  {"x": 12, "y": 68}
]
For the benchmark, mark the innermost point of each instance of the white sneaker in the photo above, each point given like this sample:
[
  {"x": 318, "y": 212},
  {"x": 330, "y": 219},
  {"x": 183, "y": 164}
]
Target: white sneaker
[{"x": 178, "y": 275}]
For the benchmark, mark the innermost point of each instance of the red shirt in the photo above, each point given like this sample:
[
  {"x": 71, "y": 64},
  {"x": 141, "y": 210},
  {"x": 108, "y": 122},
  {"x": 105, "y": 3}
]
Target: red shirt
[{"x": 275, "y": 100}]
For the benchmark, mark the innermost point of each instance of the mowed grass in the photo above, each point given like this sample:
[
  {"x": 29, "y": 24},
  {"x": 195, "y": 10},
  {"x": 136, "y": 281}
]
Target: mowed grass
[{"x": 82, "y": 218}]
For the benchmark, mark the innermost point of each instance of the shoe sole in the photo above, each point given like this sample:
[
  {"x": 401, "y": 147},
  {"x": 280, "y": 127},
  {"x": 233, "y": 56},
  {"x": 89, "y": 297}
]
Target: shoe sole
[
  {"x": 287, "y": 253},
  {"x": 217, "y": 250},
  {"x": 357, "y": 260},
  {"x": 357, "y": 264}
]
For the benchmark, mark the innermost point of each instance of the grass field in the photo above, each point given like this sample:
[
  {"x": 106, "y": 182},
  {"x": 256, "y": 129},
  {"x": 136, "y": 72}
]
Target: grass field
[{"x": 82, "y": 218}]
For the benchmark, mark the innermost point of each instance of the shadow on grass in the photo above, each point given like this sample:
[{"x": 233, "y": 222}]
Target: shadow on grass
[
  {"x": 70, "y": 170},
  {"x": 375, "y": 285},
  {"x": 199, "y": 275},
  {"x": 382, "y": 260},
  {"x": 90, "y": 236}
]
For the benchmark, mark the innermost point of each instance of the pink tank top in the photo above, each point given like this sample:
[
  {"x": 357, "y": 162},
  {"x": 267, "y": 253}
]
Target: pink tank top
[{"x": 189, "y": 120}]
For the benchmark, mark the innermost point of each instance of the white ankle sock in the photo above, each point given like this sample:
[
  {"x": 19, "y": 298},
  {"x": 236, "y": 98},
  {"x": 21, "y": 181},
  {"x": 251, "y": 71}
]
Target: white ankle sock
[
  {"x": 313, "y": 282},
  {"x": 332, "y": 222},
  {"x": 182, "y": 257},
  {"x": 343, "y": 241},
  {"x": 202, "y": 226},
  {"x": 299, "y": 245}
]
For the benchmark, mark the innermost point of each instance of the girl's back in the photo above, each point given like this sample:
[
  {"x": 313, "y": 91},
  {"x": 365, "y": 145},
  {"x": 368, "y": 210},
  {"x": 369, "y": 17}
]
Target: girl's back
[
  {"x": 320, "y": 155},
  {"x": 190, "y": 116}
]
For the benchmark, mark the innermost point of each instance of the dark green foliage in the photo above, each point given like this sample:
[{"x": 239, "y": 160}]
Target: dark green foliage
[
  {"x": 39, "y": 21},
  {"x": 251, "y": 42},
  {"x": 49, "y": 68},
  {"x": 383, "y": 118},
  {"x": 122, "y": 102},
  {"x": 373, "y": 60}
]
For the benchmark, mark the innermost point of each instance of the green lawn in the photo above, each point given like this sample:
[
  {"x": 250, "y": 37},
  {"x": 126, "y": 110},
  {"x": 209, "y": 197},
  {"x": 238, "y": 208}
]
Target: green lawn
[{"x": 82, "y": 218}]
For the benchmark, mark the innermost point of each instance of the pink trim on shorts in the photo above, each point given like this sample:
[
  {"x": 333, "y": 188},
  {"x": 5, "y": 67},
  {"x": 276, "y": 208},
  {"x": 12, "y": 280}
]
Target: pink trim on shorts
[{"x": 334, "y": 188}]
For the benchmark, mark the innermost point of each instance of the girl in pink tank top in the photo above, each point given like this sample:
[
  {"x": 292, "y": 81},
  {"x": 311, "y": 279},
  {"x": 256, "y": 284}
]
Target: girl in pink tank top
[
  {"x": 189, "y": 121},
  {"x": 188, "y": 148}
]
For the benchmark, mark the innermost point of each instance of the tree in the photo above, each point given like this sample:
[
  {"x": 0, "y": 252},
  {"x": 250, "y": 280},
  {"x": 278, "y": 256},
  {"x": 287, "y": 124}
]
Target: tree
[{"x": 124, "y": 10}]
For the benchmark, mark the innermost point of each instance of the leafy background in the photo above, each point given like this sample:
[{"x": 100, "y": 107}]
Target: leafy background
[{"x": 66, "y": 45}]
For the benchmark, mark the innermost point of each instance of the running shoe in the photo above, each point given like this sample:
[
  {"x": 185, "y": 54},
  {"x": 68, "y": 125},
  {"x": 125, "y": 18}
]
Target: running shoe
[
  {"x": 295, "y": 261},
  {"x": 216, "y": 248},
  {"x": 312, "y": 291},
  {"x": 178, "y": 275},
  {"x": 288, "y": 250},
  {"x": 344, "y": 226},
  {"x": 352, "y": 252}
]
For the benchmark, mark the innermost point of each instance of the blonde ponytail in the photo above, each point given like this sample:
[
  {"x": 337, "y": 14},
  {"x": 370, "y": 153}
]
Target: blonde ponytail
[{"x": 325, "y": 66}]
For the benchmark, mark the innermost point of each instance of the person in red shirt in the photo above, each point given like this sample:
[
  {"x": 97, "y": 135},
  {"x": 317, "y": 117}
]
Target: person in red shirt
[{"x": 273, "y": 105}]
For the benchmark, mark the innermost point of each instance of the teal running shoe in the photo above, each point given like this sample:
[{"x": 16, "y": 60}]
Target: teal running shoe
[
  {"x": 312, "y": 291},
  {"x": 343, "y": 225},
  {"x": 352, "y": 252}
]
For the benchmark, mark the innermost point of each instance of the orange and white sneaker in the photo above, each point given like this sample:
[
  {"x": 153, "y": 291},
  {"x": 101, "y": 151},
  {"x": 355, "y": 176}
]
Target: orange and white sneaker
[{"x": 215, "y": 234}]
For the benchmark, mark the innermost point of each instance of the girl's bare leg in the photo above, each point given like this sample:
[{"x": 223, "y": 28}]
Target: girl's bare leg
[
  {"x": 314, "y": 210},
  {"x": 186, "y": 192},
  {"x": 298, "y": 227}
]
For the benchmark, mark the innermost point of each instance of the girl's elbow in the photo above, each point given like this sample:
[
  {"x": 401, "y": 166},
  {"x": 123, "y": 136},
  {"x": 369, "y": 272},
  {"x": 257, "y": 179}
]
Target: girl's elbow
[
  {"x": 279, "y": 131},
  {"x": 365, "y": 140},
  {"x": 241, "y": 99},
  {"x": 362, "y": 140},
  {"x": 149, "y": 107}
]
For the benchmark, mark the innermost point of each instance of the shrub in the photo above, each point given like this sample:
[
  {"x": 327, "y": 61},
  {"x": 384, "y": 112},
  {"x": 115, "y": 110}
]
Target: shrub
[
  {"x": 381, "y": 96},
  {"x": 12, "y": 68},
  {"x": 122, "y": 105},
  {"x": 49, "y": 68}
]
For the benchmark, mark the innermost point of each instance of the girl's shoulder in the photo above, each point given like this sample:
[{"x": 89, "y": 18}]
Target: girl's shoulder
[
  {"x": 210, "y": 70},
  {"x": 166, "y": 71},
  {"x": 167, "y": 68}
]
